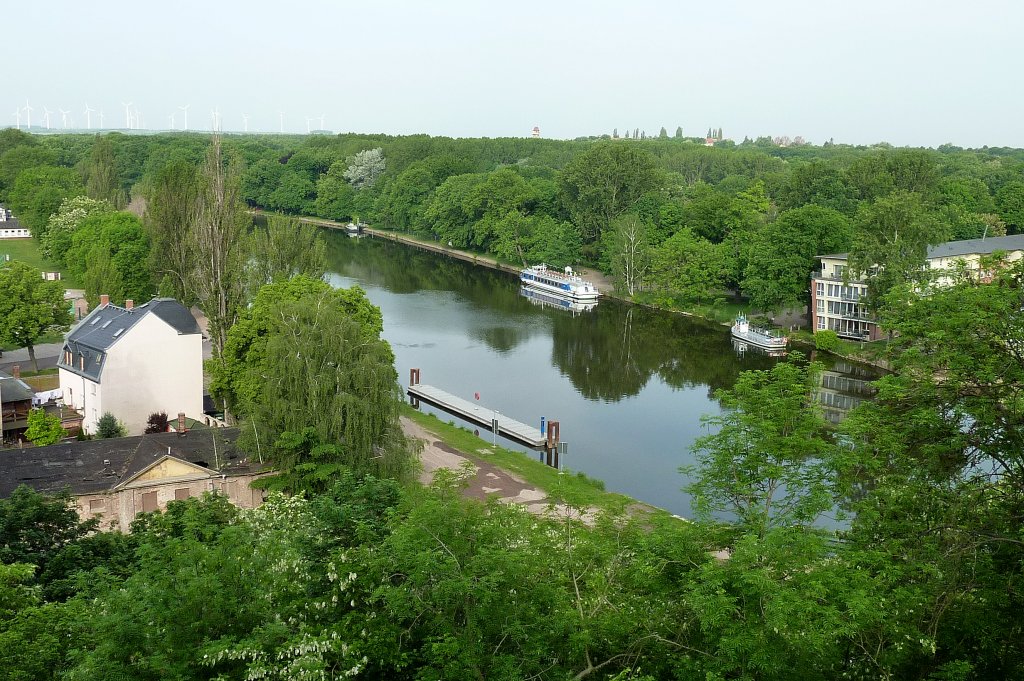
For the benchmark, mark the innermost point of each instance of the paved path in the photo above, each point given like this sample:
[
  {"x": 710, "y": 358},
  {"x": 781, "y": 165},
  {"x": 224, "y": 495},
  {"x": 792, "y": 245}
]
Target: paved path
[
  {"x": 488, "y": 479},
  {"x": 46, "y": 356}
]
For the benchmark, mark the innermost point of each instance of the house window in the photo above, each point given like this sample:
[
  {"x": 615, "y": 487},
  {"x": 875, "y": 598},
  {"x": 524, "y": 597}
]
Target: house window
[
  {"x": 149, "y": 503},
  {"x": 821, "y": 305},
  {"x": 97, "y": 505},
  {"x": 182, "y": 493},
  {"x": 840, "y": 270},
  {"x": 821, "y": 322},
  {"x": 821, "y": 289},
  {"x": 92, "y": 388}
]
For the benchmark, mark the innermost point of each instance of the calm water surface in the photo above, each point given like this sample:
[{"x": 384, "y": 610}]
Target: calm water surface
[{"x": 628, "y": 385}]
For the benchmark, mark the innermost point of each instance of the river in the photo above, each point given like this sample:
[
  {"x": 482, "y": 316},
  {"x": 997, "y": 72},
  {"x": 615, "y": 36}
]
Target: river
[{"x": 628, "y": 385}]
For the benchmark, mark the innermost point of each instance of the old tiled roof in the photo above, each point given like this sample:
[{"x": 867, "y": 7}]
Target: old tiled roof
[
  {"x": 93, "y": 466},
  {"x": 90, "y": 339}
]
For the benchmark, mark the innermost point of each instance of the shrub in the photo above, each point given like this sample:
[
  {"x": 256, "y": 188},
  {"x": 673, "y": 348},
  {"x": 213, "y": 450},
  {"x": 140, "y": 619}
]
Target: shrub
[
  {"x": 109, "y": 426},
  {"x": 157, "y": 423},
  {"x": 826, "y": 340}
]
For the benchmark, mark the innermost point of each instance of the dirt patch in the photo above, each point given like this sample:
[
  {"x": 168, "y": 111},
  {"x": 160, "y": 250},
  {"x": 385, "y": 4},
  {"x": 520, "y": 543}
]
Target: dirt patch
[{"x": 487, "y": 480}]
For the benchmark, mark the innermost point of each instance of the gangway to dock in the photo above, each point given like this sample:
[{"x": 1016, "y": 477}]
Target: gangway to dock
[{"x": 483, "y": 416}]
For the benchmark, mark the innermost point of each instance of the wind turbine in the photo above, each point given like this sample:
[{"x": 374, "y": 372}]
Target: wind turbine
[
  {"x": 46, "y": 117},
  {"x": 101, "y": 119},
  {"x": 281, "y": 114},
  {"x": 88, "y": 116},
  {"x": 185, "y": 109},
  {"x": 308, "y": 119},
  {"x": 139, "y": 124},
  {"x": 64, "y": 118},
  {"x": 171, "y": 118},
  {"x": 245, "y": 121},
  {"x": 28, "y": 112},
  {"x": 127, "y": 114},
  {"x": 322, "y": 121},
  {"x": 17, "y": 115}
]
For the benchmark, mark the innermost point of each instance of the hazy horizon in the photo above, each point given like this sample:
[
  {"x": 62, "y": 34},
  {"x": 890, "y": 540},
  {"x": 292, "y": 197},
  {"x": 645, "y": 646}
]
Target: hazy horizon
[{"x": 910, "y": 73}]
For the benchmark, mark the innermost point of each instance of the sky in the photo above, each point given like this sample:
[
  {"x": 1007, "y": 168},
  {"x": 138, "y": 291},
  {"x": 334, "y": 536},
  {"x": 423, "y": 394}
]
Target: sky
[{"x": 907, "y": 72}]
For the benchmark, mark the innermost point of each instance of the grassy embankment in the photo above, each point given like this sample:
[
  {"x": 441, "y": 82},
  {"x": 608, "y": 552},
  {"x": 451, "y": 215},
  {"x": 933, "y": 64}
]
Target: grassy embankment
[
  {"x": 574, "y": 488},
  {"x": 27, "y": 251}
]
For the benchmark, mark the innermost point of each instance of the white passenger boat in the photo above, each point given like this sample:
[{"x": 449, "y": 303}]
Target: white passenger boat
[
  {"x": 564, "y": 284},
  {"x": 762, "y": 338}
]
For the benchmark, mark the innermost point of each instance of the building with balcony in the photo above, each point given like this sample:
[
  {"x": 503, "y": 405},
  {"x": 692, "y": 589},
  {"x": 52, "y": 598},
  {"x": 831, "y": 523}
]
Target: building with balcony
[{"x": 837, "y": 298}]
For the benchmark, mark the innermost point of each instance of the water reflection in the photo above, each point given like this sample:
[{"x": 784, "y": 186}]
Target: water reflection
[
  {"x": 541, "y": 299},
  {"x": 627, "y": 383}
]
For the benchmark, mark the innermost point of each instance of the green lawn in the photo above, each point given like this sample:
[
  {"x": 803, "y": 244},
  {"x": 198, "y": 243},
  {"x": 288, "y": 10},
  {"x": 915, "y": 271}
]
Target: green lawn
[
  {"x": 27, "y": 251},
  {"x": 575, "y": 488}
]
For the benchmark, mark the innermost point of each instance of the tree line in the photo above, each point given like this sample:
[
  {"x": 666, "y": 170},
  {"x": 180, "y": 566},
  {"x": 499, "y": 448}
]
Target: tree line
[{"x": 674, "y": 221}]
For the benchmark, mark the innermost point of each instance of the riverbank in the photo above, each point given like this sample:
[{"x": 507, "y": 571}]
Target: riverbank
[
  {"x": 602, "y": 281},
  {"x": 513, "y": 477}
]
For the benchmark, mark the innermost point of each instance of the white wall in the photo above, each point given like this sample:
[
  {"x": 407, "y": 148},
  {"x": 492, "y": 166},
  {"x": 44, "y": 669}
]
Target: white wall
[
  {"x": 83, "y": 395},
  {"x": 152, "y": 368}
]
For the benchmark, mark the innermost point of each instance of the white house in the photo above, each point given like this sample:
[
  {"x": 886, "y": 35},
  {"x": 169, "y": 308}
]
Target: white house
[
  {"x": 132, "y": 362},
  {"x": 10, "y": 228}
]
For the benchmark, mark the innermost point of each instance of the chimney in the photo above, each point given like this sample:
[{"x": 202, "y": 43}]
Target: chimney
[
  {"x": 16, "y": 372},
  {"x": 181, "y": 422},
  {"x": 104, "y": 300},
  {"x": 129, "y": 303}
]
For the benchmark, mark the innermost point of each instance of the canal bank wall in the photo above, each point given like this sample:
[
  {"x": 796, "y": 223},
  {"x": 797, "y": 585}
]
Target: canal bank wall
[{"x": 603, "y": 282}]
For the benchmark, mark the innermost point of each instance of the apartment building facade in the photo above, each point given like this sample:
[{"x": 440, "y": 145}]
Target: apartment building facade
[{"x": 837, "y": 299}]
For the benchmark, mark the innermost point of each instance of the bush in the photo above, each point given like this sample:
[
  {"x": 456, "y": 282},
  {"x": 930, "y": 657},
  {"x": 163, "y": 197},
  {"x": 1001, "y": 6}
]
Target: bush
[
  {"x": 43, "y": 429},
  {"x": 157, "y": 423},
  {"x": 826, "y": 340},
  {"x": 109, "y": 426}
]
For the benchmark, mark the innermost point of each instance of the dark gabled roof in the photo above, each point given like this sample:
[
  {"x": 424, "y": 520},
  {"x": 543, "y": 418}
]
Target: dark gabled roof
[
  {"x": 953, "y": 249},
  {"x": 96, "y": 466},
  {"x": 90, "y": 339},
  {"x": 14, "y": 389},
  {"x": 175, "y": 314}
]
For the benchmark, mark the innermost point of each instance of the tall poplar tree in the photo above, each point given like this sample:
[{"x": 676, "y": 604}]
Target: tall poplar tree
[{"x": 219, "y": 231}]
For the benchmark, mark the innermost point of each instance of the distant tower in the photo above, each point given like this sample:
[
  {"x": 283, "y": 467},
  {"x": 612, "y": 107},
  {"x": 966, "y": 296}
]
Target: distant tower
[{"x": 535, "y": 132}]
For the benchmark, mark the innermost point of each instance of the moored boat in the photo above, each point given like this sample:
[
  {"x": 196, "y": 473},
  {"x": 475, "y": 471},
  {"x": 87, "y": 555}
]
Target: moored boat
[
  {"x": 566, "y": 284},
  {"x": 762, "y": 338}
]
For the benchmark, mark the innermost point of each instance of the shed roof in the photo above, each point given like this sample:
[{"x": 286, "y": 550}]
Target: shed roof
[{"x": 14, "y": 389}]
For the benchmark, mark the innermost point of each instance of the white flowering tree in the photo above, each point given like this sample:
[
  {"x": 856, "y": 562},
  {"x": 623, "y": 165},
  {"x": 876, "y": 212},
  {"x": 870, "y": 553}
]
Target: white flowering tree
[{"x": 365, "y": 167}]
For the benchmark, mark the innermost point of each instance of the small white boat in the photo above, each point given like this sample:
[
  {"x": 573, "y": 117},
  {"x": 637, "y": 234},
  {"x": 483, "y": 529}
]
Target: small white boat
[
  {"x": 565, "y": 284},
  {"x": 765, "y": 339}
]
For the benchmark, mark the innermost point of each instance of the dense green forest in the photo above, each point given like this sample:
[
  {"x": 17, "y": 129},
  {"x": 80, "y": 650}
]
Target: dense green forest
[
  {"x": 354, "y": 570},
  {"x": 676, "y": 222}
]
